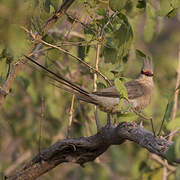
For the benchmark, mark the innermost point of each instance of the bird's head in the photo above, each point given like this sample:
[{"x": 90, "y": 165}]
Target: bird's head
[{"x": 147, "y": 68}]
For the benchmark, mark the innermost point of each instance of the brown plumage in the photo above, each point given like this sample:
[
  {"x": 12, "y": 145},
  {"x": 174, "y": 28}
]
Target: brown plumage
[{"x": 139, "y": 91}]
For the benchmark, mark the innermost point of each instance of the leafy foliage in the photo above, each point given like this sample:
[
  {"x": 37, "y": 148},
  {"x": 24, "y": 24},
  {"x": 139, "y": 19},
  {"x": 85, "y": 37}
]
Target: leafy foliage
[{"x": 127, "y": 32}]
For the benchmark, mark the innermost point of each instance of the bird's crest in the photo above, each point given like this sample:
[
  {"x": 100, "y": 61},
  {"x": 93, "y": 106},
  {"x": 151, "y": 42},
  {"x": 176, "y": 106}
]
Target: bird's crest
[{"x": 147, "y": 68}]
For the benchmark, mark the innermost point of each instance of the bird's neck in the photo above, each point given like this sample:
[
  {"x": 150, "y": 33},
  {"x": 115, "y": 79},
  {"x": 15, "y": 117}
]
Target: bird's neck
[{"x": 145, "y": 79}]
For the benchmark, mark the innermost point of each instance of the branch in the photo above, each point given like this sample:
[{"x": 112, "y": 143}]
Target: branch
[
  {"x": 57, "y": 15},
  {"x": 85, "y": 149},
  {"x": 4, "y": 90}
]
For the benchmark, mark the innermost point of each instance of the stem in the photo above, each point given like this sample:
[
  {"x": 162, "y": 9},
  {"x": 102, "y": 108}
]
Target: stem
[{"x": 70, "y": 117}]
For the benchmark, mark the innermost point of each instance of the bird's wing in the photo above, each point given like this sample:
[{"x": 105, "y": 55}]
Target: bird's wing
[
  {"x": 108, "y": 92},
  {"x": 134, "y": 89}
]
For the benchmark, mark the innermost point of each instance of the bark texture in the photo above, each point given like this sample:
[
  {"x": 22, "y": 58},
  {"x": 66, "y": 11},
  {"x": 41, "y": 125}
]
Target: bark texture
[{"x": 84, "y": 149}]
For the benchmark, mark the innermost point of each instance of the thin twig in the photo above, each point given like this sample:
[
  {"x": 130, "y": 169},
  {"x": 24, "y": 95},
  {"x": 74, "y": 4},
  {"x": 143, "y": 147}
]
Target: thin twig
[
  {"x": 70, "y": 117},
  {"x": 160, "y": 129},
  {"x": 136, "y": 112},
  {"x": 95, "y": 85},
  {"x": 57, "y": 15},
  {"x": 165, "y": 170},
  {"x": 109, "y": 21},
  {"x": 37, "y": 38},
  {"x": 159, "y": 160},
  {"x": 173, "y": 133},
  {"x": 97, "y": 64},
  {"x": 83, "y": 24},
  {"x": 153, "y": 127},
  {"x": 77, "y": 58}
]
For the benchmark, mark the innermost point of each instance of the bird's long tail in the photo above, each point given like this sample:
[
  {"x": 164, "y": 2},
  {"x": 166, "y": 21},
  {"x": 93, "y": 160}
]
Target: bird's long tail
[{"x": 66, "y": 85}]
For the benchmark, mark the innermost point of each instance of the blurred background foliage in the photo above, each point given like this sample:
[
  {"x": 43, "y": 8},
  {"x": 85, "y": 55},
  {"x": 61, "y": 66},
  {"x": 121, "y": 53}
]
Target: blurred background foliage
[{"x": 127, "y": 30}]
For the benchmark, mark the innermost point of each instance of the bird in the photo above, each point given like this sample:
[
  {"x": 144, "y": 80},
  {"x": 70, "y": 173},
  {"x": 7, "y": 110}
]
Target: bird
[{"x": 140, "y": 90}]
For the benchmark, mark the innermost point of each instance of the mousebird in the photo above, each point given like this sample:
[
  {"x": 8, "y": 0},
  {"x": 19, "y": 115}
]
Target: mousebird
[{"x": 139, "y": 90}]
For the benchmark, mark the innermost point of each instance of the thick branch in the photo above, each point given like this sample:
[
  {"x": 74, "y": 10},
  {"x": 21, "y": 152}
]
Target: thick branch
[{"x": 85, "y": 149}]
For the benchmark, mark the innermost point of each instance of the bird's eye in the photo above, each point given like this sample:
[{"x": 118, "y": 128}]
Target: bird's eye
[{"x": 147, "y": 73}]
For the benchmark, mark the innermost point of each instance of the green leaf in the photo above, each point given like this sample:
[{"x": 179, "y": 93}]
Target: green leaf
[
  {"x": 47, "y": 4},
  {"x": 117, "y": 5},
  {"x": 121, "y": 88},
  {"x": 171, "y": 154},
  {"x": 149, "y": 27},
  {"x": 120, "y": 104},
  {"x": 83, "y": 51},
  {"x": 18, "y": 42},
  {"x": 118, "y": 40},
  {"x": 49, "y": 39},
  {"x": 101, "y": 11},
  {"x": 175, "y": 3},
  {"x": 118, "y": 69},
  {"x": 140, "y": 53},
  {"x": 177, "y": 173},
  {"x": 110, "y": 55},
  {"x": 174, "y": 124},
  {"x": 168, "y": 112},
  {"x": 128, "y": 117},
  {"x": 141, "y": 4},
  {"x": 172, "y": 13},
  {"x": 177, "y": 147},
  {"x": 165, "y": 7},
  {"x": 55, "y": 4}
]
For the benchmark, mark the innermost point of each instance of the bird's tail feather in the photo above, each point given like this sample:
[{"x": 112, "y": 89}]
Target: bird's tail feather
[{"x": 66, "y": 84}]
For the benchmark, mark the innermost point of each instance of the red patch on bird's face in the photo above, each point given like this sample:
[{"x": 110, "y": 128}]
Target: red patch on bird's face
[{"x": 147, "y": 73}]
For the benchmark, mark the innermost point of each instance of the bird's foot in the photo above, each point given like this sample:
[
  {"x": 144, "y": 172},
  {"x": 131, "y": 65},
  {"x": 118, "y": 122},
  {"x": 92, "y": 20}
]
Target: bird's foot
[
  {"x": 141, "y": 124},
  {"x": 98, "y": 125},
  {"x": 109, "y": 120}
]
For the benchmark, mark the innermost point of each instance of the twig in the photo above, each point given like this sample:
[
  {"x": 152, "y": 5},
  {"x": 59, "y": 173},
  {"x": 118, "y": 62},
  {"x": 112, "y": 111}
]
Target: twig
[
  {"x": 70, "y": 117},
  {"x": 72, "y": 33},
  {"x": 153, "y": 127},
  {"x": 173, "y": 133},
  {"x": 18, "y": 65},
  {"x": 160, "y": 129},
  {"x": 109, "y": 21},
  {"x": 77, "y": 58},
  {"x": 96, "y": 67},
  {"x": 159, "y": 160},
  {"x": 37, "y": 38},
  {"x": 95, "y": 85},
  {"x": 77, "y": 20},
  {"x": 136, "y": 112},
  {"x": 52, "y": 20}
]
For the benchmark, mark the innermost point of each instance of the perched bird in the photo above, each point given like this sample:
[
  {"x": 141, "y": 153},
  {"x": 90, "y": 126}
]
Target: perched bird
[{"x": 139, "y": 90}]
